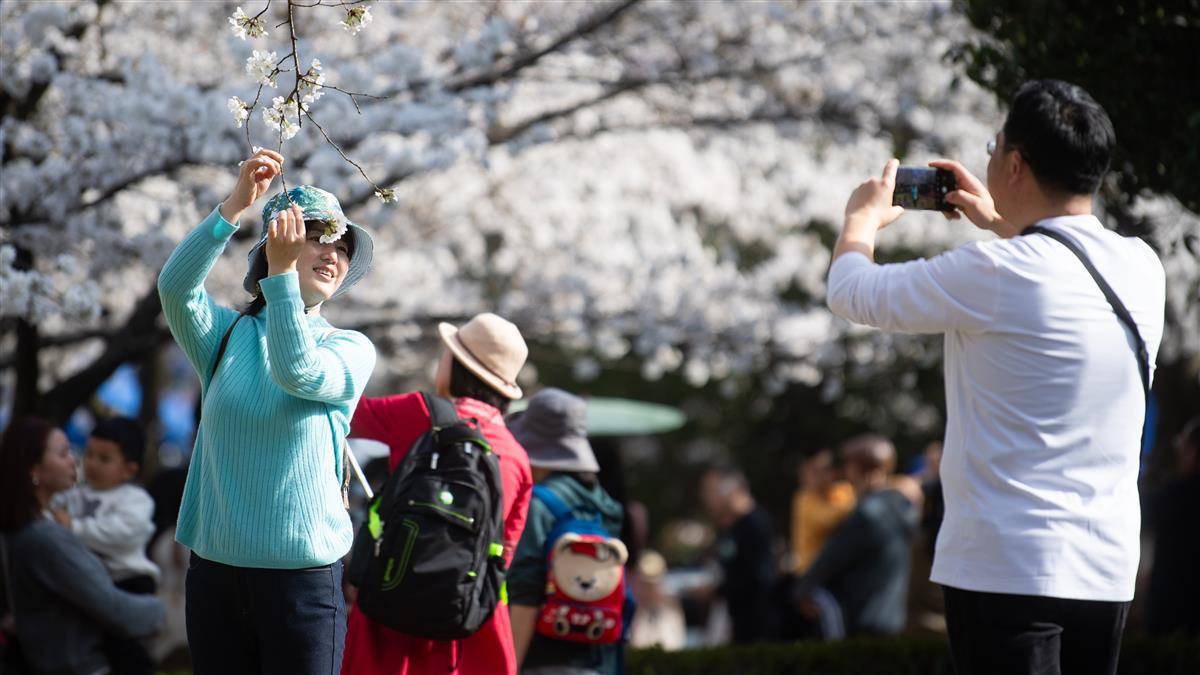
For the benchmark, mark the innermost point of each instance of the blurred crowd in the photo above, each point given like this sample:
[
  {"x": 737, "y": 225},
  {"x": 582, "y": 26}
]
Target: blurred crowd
[{"x": 854, "y": 562}]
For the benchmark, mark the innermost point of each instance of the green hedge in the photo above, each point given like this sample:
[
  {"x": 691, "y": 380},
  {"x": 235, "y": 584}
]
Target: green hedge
[{"x": 901, "y": 656}]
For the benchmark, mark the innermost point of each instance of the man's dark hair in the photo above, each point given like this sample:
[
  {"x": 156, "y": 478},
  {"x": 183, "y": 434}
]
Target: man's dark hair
[
  {"x": 127, "y": 434},
  {"x": 1064, "y": 136},
  {"x": 870, "y": 452},
  {"x": 465, "y": 384},
  {"x": 728, "y": 477}
]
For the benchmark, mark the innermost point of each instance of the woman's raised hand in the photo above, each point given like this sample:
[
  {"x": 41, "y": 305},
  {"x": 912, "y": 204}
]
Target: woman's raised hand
[
  {"x": 254, "y": 179},
  {"x": 286, "y": 235}
]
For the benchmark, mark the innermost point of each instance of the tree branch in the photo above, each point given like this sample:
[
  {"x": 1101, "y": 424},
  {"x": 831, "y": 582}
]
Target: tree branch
[
  {"x": 499, "y": 135},
  {"x": 522, "y": 61},
  {"x": 116, "y": 188},
  {"x": 140, "y": 334}
]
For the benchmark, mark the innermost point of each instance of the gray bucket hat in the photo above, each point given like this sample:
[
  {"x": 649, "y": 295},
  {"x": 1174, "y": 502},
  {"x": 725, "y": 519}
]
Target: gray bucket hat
[
  {"x": 553, "y": 431},
  {"x": 317, "y": 204}
]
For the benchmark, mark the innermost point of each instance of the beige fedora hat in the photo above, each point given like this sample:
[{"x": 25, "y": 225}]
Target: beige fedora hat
[{"x": 491, "y": 347}]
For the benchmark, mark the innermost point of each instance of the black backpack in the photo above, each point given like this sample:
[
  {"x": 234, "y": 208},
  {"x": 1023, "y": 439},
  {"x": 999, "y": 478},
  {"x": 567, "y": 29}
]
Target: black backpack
[{"x": 429, "y": 559}]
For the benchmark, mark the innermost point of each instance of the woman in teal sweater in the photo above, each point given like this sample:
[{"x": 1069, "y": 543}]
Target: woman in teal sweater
[{"x": 262, "y": 508}]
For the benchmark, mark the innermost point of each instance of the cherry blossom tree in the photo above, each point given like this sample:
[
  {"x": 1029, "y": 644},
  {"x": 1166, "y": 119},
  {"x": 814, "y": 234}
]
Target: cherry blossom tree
[{"x": 650, "y": 186}]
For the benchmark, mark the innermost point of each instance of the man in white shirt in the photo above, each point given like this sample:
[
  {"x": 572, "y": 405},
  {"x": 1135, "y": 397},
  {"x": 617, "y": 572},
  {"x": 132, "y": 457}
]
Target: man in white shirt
[{"x": 1044, "y": 393}]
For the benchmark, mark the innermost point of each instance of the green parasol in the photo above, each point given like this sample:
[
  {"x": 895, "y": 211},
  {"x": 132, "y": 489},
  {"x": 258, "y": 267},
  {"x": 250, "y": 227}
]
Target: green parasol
[{"x": 625, "y": 417}]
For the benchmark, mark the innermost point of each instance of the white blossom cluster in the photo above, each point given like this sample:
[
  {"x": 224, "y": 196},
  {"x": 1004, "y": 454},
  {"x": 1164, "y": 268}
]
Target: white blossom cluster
[
  {"x": 261, "y": 66},
  {"x": 246, "y": 26},
  {"x": 678, "y": 227},
  {"x": 356, "y": 19}
]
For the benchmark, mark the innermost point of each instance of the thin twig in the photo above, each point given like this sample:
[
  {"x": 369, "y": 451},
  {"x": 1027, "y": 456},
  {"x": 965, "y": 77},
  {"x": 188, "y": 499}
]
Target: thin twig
[
  {"x": 296, "y": 64},
  {"x": 322, "y": 3},
  {"x": 340, "y": 152},
  {"x": 519, "y": 62},
  {"x": 352, "y": 95},
  {"x": 264, "y": 11}
]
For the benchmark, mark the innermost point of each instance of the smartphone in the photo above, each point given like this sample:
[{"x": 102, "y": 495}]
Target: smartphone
[{"x": 918, "y": 187}]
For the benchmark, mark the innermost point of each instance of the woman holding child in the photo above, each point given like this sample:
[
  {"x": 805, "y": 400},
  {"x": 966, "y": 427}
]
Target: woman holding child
[
  {"x": 263, "y": 509},
  {"x": 61, "y": 596}
]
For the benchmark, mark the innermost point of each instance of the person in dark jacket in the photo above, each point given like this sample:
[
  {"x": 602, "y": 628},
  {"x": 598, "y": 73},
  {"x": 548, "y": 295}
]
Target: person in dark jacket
[
  {"x": 553, "y": 431},
  {"x": 865, "y": 562},
  {"x": 745, "y": 549},
  {"x": 60, "y": 595}
]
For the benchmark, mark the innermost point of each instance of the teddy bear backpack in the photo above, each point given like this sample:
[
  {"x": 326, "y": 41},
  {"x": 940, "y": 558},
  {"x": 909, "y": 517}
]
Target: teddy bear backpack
[{"x": 585, "y": 577}]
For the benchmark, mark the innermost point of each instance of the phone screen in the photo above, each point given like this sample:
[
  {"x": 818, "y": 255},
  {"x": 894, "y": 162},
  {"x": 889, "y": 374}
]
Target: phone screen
[{"x": 923, "y": 188}]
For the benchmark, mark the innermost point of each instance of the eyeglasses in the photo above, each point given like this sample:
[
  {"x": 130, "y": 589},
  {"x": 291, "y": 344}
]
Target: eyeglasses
[{"x": 991, "y": 147}]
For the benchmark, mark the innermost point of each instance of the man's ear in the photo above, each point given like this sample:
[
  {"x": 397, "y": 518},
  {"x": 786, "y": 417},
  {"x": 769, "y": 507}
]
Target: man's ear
[{"x": 1015, "y": 167}]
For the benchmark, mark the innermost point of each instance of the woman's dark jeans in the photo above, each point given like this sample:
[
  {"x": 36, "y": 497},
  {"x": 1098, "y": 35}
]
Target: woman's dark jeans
[{"x": 250, "y": 620}]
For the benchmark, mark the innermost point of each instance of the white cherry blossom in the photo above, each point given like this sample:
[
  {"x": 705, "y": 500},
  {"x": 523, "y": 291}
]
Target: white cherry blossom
[
  {"x": 244, "y": 26},
  {"x": 356, "y": 19},
  {"x": 261, "y": 65}
]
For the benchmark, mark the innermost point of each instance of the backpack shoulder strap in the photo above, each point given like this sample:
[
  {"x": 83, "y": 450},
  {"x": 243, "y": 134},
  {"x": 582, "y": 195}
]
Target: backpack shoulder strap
[
  {"x": 558, "y": 508},
  {"x": 223, "y": 345},
  {"x": 1118, "y": 307},
  {"x": 441, "y": 411}
]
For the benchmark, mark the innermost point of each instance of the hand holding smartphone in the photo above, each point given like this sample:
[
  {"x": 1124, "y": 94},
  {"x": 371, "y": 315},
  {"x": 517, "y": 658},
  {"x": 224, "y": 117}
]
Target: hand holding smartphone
[{"x": 923, "y": 188}]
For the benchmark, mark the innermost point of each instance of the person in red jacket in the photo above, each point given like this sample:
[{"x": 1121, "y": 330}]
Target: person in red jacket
[{"x": 478, "y": 370}]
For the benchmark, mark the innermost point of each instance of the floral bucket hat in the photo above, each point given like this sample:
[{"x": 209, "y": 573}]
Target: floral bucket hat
[{"x": 317, "y": 204}]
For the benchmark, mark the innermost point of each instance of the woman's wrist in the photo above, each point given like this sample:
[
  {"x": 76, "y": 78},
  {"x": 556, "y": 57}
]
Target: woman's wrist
[
  {"x": 229, "y": 213},
  {"x": 276, "y": 270}
]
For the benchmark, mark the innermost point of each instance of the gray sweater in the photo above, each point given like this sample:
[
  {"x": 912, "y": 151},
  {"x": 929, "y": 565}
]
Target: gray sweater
[{"x": 65, "y": 601}]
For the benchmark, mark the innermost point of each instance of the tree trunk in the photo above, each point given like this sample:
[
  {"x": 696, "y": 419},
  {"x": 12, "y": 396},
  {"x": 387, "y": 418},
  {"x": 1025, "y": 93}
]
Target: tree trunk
[
  {"x": 25, "y": 400},
  {"x": 140, "y": 335},
  {"x": 29, "y": 345},
  {"x": 150, "y": 379}
]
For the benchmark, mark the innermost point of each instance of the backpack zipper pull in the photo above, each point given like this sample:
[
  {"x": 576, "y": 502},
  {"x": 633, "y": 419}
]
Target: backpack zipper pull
[
  {"x": 433, "y": 462},
  {"x": 378, "y": 543}
]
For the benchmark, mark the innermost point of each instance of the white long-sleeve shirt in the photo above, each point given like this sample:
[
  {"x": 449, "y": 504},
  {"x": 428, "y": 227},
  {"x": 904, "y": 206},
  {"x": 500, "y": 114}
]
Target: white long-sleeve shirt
[
  {"x": 1044, "y": 402},
  {"x": 116, "y": 525}
]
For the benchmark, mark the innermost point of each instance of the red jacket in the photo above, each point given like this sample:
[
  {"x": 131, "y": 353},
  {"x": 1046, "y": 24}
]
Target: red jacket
[{"x": 373, "y": 649}]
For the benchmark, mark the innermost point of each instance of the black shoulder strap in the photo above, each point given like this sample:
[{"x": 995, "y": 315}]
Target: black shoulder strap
[
  {"x": 1119, "y": 307},
  {"x": 441, "y": 411},
  {"x": 221, "y": 349}
]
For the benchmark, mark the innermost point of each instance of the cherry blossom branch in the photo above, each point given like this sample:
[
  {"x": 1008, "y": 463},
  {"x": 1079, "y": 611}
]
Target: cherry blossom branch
[
  {"x": 522, "y": 61},
  {"x": 382, "y": 193},
  {"x": 307, "y": 85},
  {"x": 291, "y": 22},
  {"x": 264, "y": 11},
  {"x": 352, "y": 94},
  {"x": 342, "y": 3}
]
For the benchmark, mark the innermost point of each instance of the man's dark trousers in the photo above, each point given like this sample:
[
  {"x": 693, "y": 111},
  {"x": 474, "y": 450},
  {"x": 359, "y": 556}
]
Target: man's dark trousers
[{"x": 1001, "y": 634}]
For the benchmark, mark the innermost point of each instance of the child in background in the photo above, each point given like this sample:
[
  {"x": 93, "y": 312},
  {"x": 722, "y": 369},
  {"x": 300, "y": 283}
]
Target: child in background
[{"x": 114, "y": 517}]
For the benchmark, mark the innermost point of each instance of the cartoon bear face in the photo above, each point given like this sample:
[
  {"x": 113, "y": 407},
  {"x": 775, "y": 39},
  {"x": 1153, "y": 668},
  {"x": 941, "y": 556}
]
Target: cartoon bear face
[{"x": 588, "y": 568}]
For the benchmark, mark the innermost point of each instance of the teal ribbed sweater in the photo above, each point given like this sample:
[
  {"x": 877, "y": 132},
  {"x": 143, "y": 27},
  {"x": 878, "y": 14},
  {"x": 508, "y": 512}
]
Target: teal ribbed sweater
[{"x": 264, "y": 484}]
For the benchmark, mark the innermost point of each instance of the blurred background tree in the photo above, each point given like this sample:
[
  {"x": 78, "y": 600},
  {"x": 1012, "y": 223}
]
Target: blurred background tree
[
  {"x": 1136, "y": 57},
  {"x": 649, "y": 189}
]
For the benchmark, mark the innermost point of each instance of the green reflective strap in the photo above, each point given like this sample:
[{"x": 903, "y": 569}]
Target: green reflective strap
[
  {"x": 374, "y": 524},
  {"x": 504, "y": 592},
  {"x": 496, "y": 550},
  {"x": 472, "y": 574}
]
